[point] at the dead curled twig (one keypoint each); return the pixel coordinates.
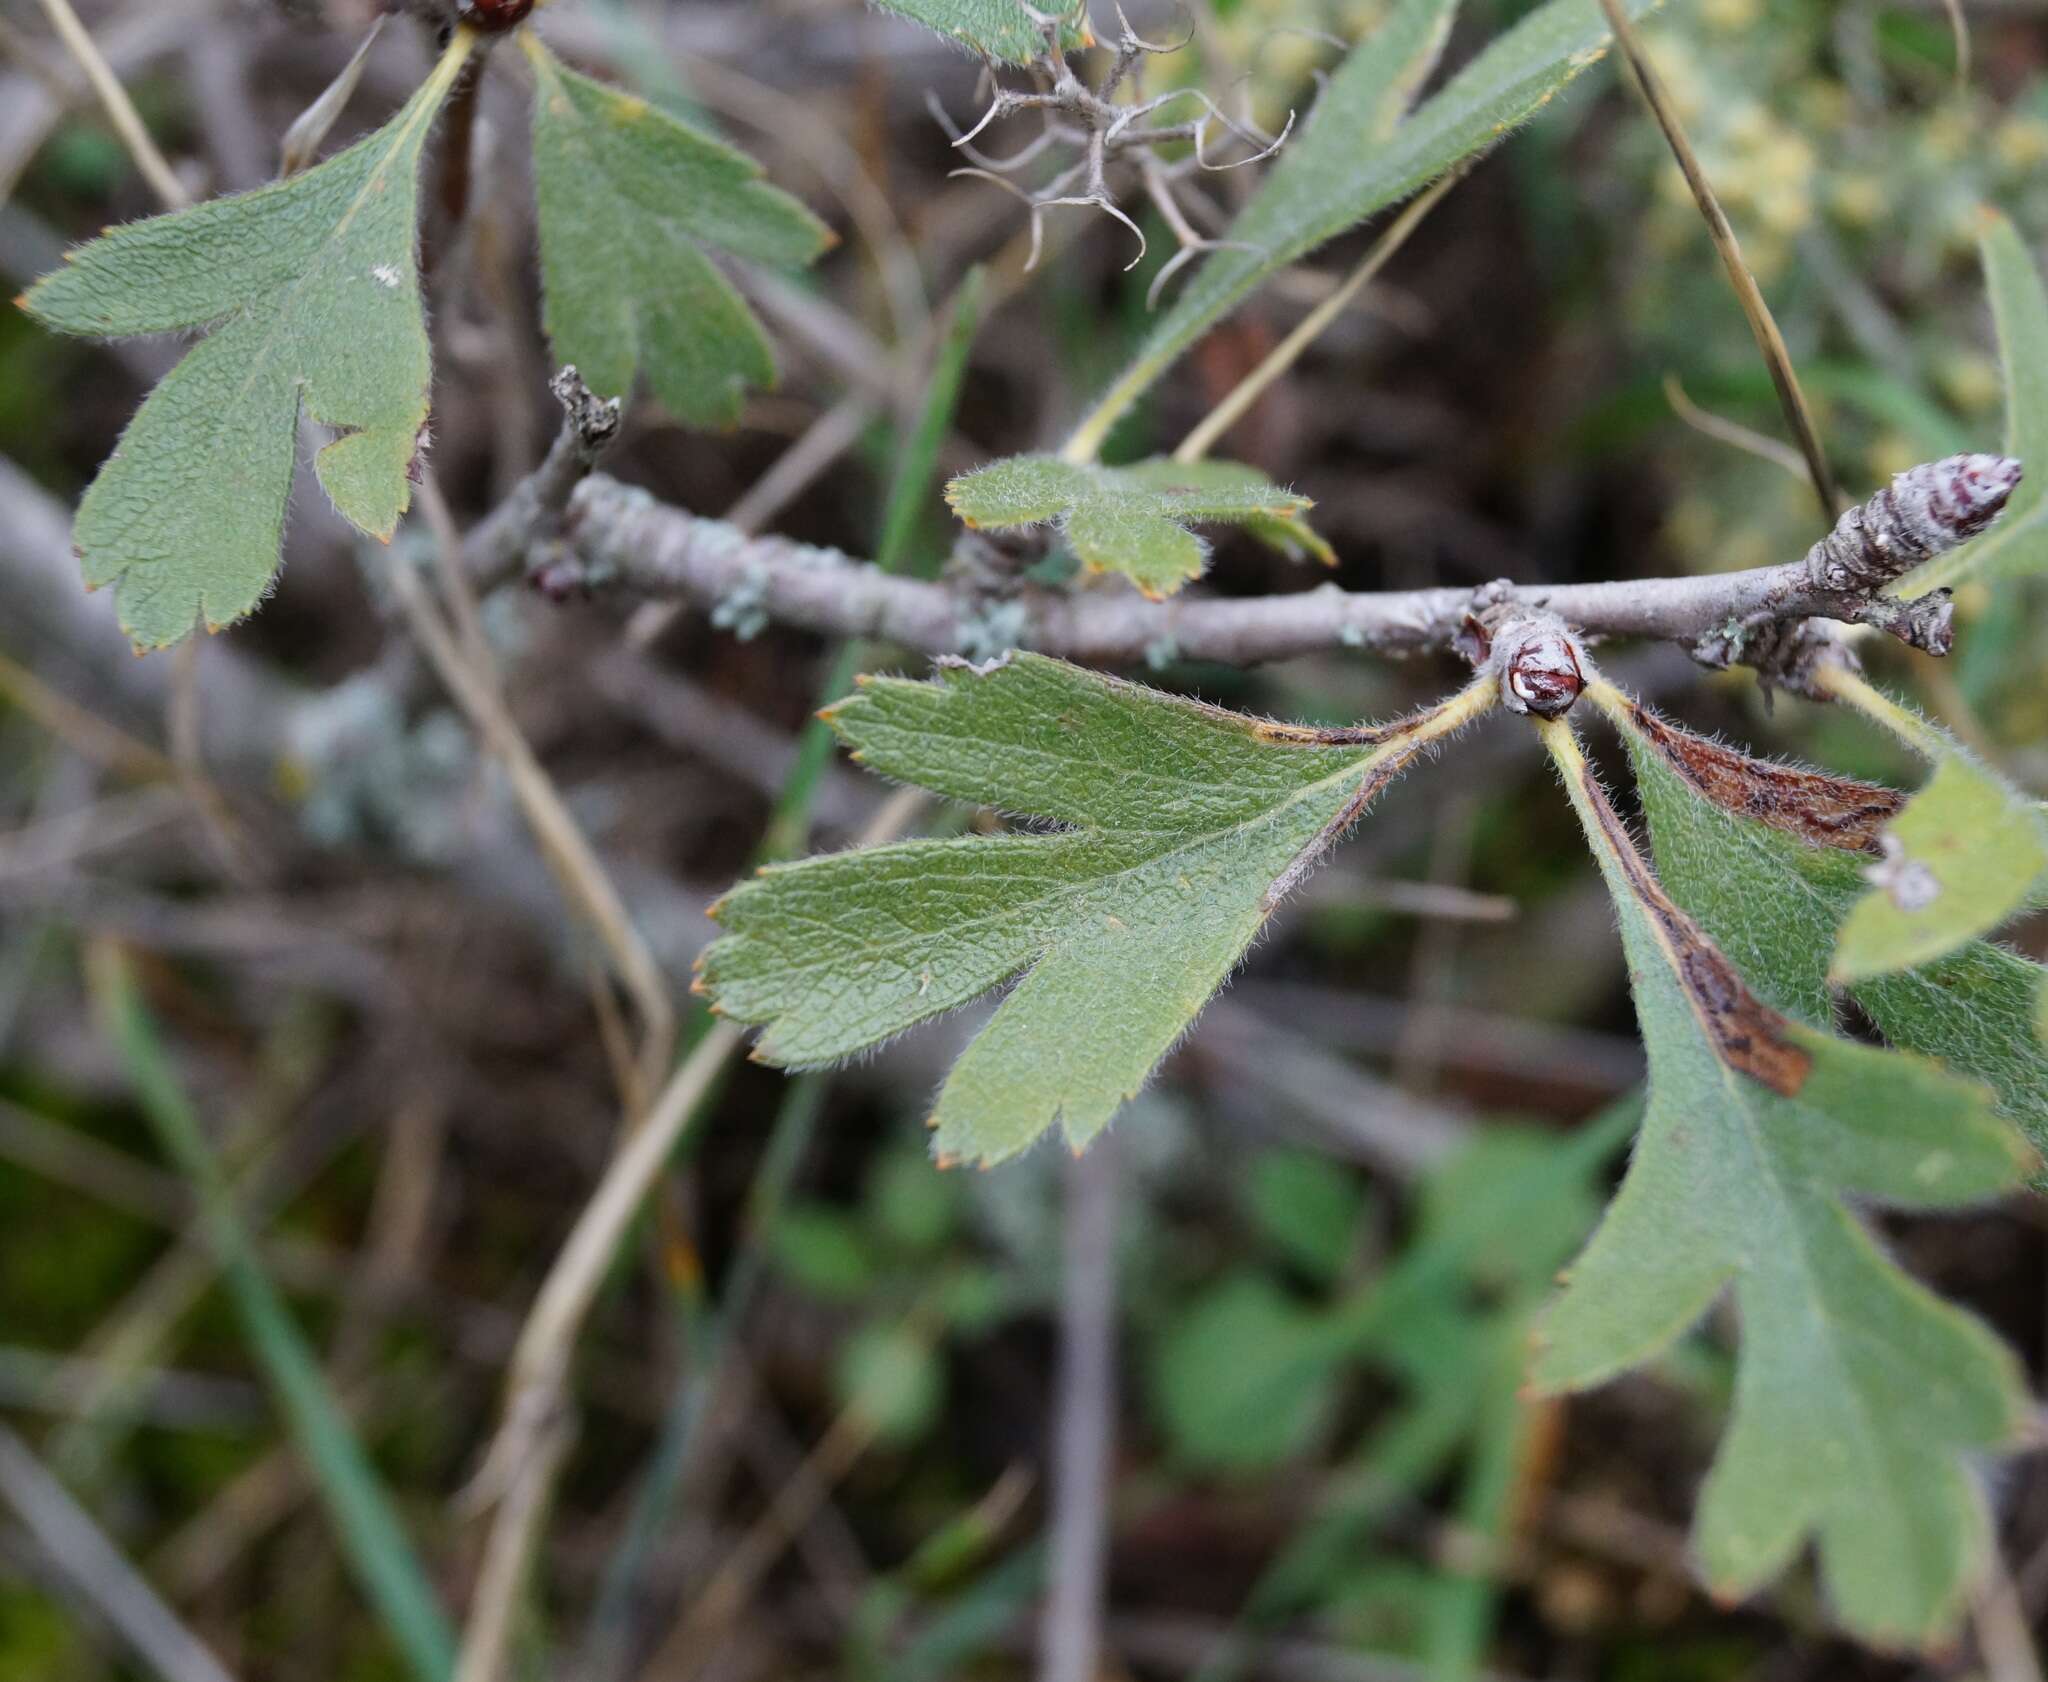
(1097, 128)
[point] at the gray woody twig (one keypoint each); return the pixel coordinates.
(518, 530)
(620, 537)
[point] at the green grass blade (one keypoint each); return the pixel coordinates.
(375, 1542)
(2018, 544)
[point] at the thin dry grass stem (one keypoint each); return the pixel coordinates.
(94, 739)
(32, 56)
(617, 1040)
(400, 1223)
(182, 724)
(1734, 433)
(569, 854)
(1084, 1429)
(1959, 26)
(535, 1435)
(692, 1642)
(84, 732)
(136, 1331)
(120, 109)
(1284, 355)
(458, 596)
(1798, 416)
(508, 1556)
(537, 1380)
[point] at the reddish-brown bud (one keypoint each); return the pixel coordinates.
(492, 17)
(1537, 662)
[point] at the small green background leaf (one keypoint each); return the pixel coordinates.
(1965, 853)
(1134, 520)
(2018, 544)
(1961, 858)
(629, 196)
(997, 29)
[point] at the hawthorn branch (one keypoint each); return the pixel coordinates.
(616, 537)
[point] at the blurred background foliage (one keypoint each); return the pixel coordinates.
(1342, 1203)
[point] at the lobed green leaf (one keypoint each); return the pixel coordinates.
(1116, 930)
(1134, 520)
(1860, 1396)
(311, 292)
(629, 196)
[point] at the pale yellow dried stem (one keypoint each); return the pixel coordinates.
(119, 107)
(1284, 355)
(1725, 431)
(562, 842)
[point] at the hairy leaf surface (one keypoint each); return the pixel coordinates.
(1178, 822)
(2018, 544)
(999, 29)
(311, 294)
(1769, 858)
(1962, 856)
(1134, 520)
(1357, 155)
(1860, 1395)
(629, 197)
